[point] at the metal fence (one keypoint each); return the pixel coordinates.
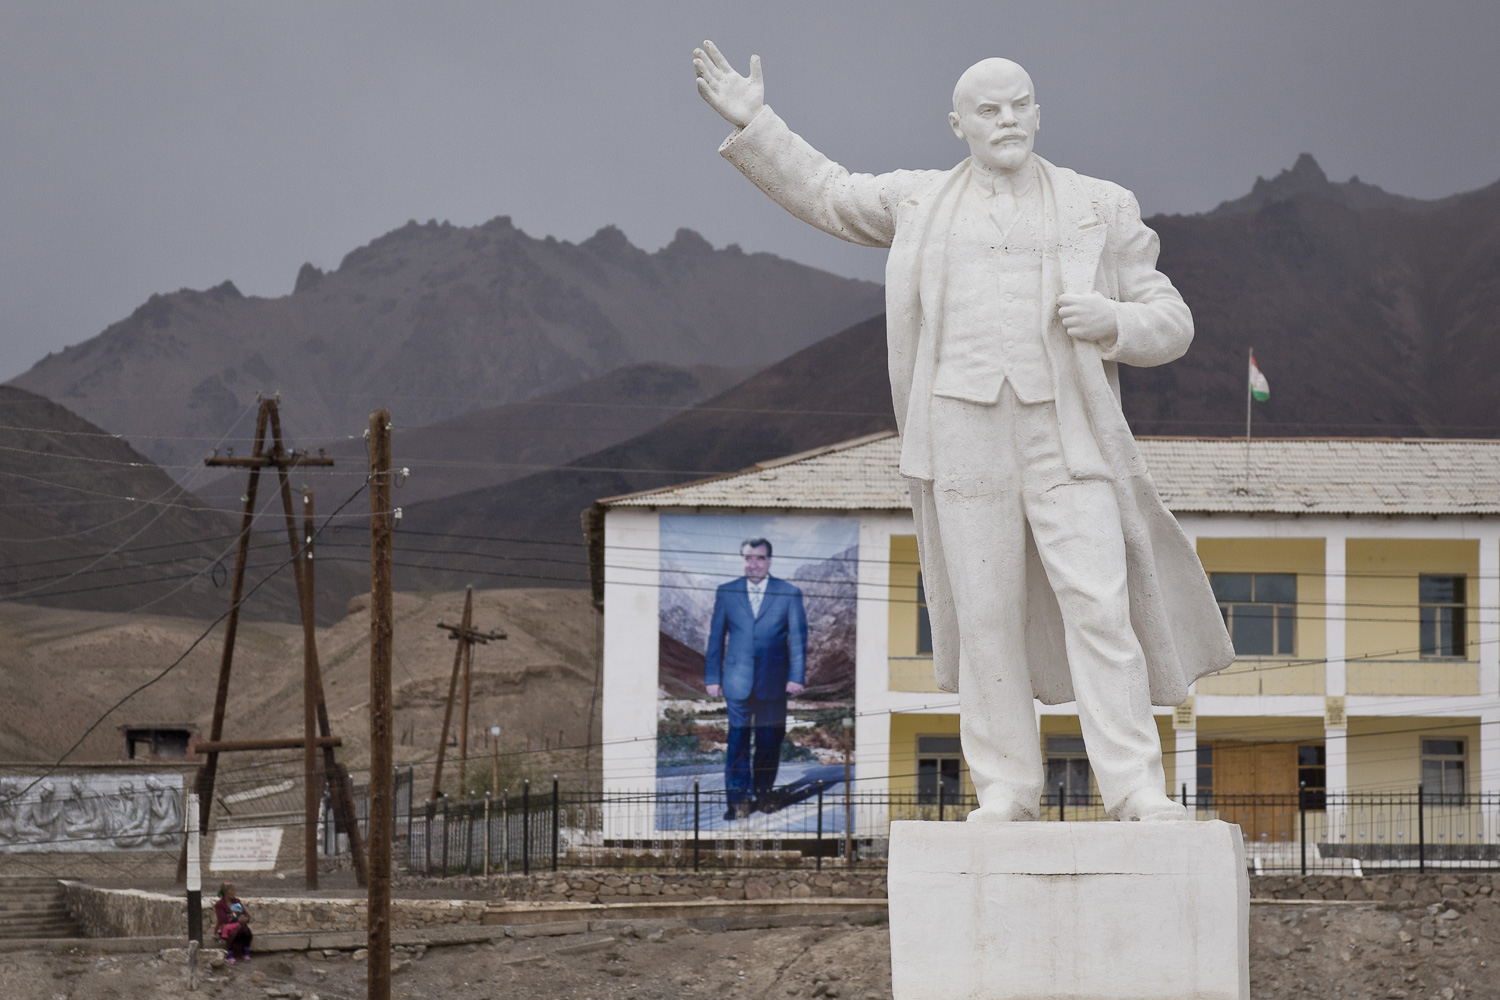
(548, 829)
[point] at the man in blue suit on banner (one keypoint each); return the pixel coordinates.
(757, 657)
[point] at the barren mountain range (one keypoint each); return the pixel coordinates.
(1372, 315)
(433, 321)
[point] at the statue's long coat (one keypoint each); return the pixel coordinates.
(1101, 245)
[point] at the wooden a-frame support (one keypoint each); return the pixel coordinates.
(273, 455)
(466, 635)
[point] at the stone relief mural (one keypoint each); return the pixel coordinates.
(90, 812)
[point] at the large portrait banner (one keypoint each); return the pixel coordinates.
(755, 671)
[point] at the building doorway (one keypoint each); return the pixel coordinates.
(1261, 785)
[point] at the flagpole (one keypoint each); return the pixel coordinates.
(1249, 399)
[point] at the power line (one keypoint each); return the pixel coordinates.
(192, 646)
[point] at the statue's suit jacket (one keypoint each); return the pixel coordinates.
(755, 655)
(1100, 245)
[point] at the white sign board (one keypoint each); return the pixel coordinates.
(251, 849)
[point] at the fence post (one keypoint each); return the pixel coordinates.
(411, 783)
(554, 823)
(1062, 816)
(1421, 831)
(427, 837)
(696, 812)
(469, 835)
(445, 835)
(1302, 821)
(505, 831)
(395, 792)
(1184, 795)
(526, 827)
(487, 833)
(820, 824)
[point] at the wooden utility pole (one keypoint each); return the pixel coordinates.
(338, 776)
(466, 636)
(378, 903)
(312, 778)
(269, 452)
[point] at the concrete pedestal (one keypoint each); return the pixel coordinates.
(1058, 911)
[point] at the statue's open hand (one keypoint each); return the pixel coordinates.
(736, 97)
(1088, 317)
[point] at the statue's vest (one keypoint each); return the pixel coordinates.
(993, 326)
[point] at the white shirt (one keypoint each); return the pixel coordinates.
(757, 593)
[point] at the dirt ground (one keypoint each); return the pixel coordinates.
(1347, 952)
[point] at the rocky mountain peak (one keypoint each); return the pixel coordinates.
(1307, 179)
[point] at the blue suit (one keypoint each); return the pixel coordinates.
(754, 657)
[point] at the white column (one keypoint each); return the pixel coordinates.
(1488, 762)
(1185, 740)
(1186, 745)
(1334, 632)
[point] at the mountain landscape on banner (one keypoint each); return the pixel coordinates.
(829, 593)
(432, 321)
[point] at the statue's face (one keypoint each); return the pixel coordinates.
(995, 112)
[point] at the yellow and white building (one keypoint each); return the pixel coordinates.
(1360, 580)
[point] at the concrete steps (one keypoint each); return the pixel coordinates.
(34, 907)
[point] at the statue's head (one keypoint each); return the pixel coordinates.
(995, 112)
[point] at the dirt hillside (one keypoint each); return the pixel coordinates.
(61, 669)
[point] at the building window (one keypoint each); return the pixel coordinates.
(939, 763)
(924, 621)
(1443, 771)
(1260, 611)
(1205, 798)
(150, 743)
(1312, 776)
(1441, 613)
(1067, 768)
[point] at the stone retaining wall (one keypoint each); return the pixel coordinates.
(134, 913)
(1419, 890)
(614, 886)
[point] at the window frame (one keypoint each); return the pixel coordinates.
(936, 759)
(1282, 614)
(1443, 797)
(1070, 756)
(1312, 777)
(1459, 624)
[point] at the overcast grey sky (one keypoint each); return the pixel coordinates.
(153, 146)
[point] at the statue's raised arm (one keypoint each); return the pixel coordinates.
(737, 98)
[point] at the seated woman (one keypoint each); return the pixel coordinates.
(232, 924)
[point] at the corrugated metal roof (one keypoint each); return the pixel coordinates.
(1193, 475)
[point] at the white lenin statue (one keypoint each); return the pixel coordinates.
(1013, 290)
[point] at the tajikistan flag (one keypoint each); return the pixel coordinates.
(1259, 387)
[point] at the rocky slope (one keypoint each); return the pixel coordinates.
(437, 320)
(88, 522)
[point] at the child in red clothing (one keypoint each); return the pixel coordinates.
(232, 924)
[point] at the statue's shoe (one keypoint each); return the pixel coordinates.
(1149, 806)
(1003, 812)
